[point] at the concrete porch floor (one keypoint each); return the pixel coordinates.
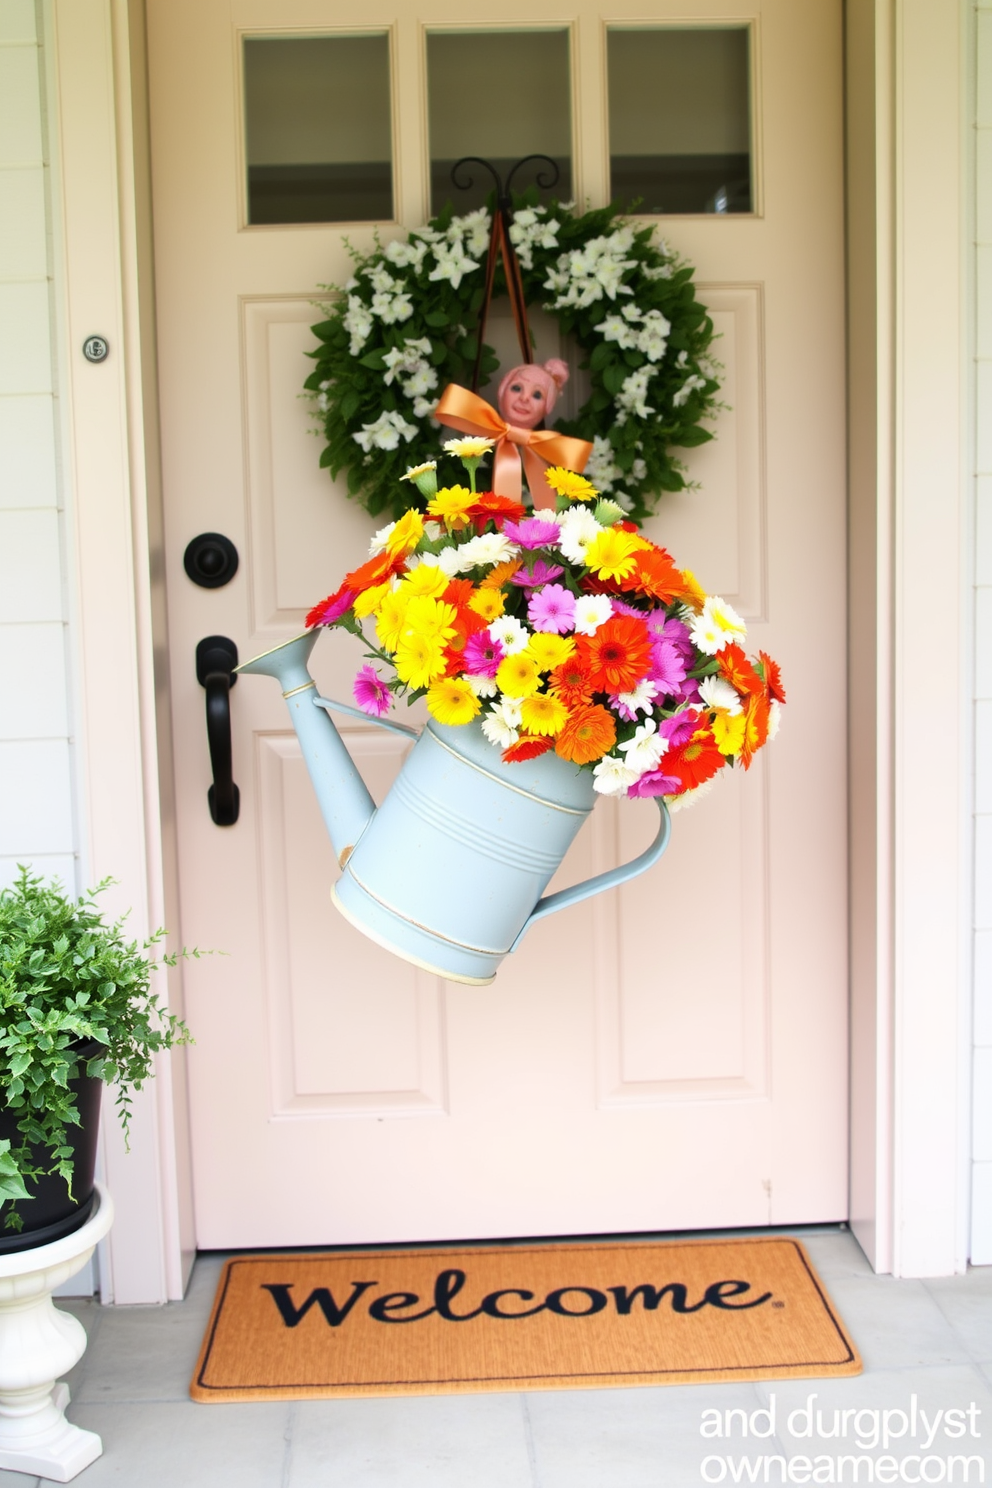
(928, 1338)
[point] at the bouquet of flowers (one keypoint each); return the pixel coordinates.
(564, 630)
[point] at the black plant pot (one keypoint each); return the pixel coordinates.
(50, 1213)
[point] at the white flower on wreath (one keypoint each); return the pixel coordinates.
(601, 468)
(474, 229)
(632, 397)
(687, 389)
(406, 359)
(406, 255)
(381, 279)
(385, 433)
(453, 263)
(391, 308)
(424, 408)
(424, 380)
(529, 230)
(583, 276)
(358, 322)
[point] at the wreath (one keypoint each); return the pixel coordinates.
(403, 327)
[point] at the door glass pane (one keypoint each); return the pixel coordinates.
(680, 134)
(501, 95)
(318, 129)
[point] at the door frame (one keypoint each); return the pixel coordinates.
(909, 513)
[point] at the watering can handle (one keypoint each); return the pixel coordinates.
(609, 880)
(386, 723)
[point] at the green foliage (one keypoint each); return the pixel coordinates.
(68, 977)
(636, 454)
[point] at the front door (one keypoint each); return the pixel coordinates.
(669, 1056)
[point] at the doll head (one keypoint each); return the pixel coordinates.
(527, 394)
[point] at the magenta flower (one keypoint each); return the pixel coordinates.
(371, 693)
(331, 608)
(620, 607)
(482, 655)
(672, 631)
(534, 532)
(541, 573)
(679, 729)
(655, 783)
(552, 609)
(667, 669)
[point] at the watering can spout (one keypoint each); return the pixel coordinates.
(345, 804)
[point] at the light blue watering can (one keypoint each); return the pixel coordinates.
(449, 872)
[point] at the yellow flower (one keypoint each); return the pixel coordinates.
(611, 552)
(451, 700)
(518, 676)
(549, 651)
(427, 579)
(430, 617)
(728, 732)
(471, 448)
(451, 505)
(567, 483)
(419, 659)
(488, 603)
(407, 533)
(369, 600)
(543, 714)
(391, 618)
(695, 595)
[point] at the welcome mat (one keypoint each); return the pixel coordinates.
(534, 1317)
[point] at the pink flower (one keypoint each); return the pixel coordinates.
(655, 783)
(482, 655)
(331, 608)
(371, 693)
(541, 573)
(533, 533)
(679, 729)
(552, 609)
(667, 668)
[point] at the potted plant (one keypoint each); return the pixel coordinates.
(76, 1010)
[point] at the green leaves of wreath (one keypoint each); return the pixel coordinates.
(404, 327)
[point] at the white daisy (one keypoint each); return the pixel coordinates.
(590, 613)
(641, 699)
(378, 543)
(645, 749)
(717, 626)
(612, 776)
(483, 687)
(578, 528)
(486, 549)
(512, 636)
(718, 694)
(774, 718)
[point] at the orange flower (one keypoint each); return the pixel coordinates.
(499, 509)
(618, 655)
(655, 574)
(572, 682)
(695, 761)
(528, 746)
(738, 671)
(756, 715)
(467, 621)
(376, 571)
(501, 574)
(589, 734)
(773, 677)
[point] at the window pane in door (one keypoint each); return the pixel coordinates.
(680, 112)
(318, 129)
(500, 95)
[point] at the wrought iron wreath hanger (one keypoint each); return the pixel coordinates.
(499, 243)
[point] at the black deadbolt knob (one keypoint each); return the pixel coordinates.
(211, 560)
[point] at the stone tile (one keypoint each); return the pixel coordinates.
(144, 1354)
(627, 1438)
(966, 1302)
(185, 1445)
(895, 1324)
(836, 1254)
(428, 1441)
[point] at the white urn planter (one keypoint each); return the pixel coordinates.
(38, 1343)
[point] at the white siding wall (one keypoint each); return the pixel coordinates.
(981, 1244)
(36, 767)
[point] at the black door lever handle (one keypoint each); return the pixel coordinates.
(216, 658)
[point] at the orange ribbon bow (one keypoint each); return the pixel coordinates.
(532, 450)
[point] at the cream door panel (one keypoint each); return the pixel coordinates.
(669, 1056)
